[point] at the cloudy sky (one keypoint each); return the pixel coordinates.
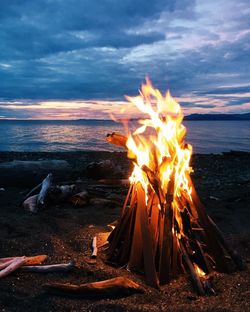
(78, 58)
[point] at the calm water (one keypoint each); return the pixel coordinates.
(205, 136)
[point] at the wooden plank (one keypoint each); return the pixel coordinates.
(210, 236)
(233, 253)
(125, 252)
(112, 288)
(167, 239)
(147, 242)
(167, 245)
(135, 259)
(119, 232)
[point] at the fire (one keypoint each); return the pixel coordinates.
(199, 271)
(163, 228)
(158, 145)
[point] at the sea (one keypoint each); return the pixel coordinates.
(90, 135)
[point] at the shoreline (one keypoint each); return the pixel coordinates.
(64, 232)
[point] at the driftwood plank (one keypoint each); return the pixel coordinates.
(115, 287)
(14, 265)
(60, 267)
(147, 240)
(135, 259)
(46, 185)
(30, 203)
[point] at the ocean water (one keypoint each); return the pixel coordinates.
(48, 136)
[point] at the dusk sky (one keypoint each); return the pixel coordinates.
(62, 59)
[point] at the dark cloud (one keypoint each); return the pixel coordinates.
(71, 49)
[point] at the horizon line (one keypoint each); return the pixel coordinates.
(120, 119)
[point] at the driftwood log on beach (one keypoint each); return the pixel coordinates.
(43, 194)
(32, 260)
(12, 266)
(59, 267)
(30, 204)
(115, 287)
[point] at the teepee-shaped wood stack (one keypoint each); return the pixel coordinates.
(163, 229)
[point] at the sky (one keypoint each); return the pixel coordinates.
(70, 59)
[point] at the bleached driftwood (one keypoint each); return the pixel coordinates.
(14, 265)
(42, 196)
(60, 267)
(115, 287)
(5, 264)
(30, 203)
(30, 193)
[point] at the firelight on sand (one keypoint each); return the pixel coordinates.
(163, 229)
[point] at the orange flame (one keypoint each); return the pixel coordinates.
(159, 145)
(199, 271)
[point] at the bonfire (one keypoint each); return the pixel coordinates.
(163, 229)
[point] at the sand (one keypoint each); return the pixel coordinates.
(64, 233)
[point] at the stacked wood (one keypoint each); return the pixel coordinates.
(168, 235)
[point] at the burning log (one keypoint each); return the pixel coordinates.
(111, 288)
(195, 278)
(60, 267)
(163, 229)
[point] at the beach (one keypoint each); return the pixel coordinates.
(64, 232)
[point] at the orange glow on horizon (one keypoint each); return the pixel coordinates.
(104, 109)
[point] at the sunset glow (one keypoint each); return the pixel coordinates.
(98, 109)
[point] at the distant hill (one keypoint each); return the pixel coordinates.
(218, 117)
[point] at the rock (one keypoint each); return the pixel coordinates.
(103, 169)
